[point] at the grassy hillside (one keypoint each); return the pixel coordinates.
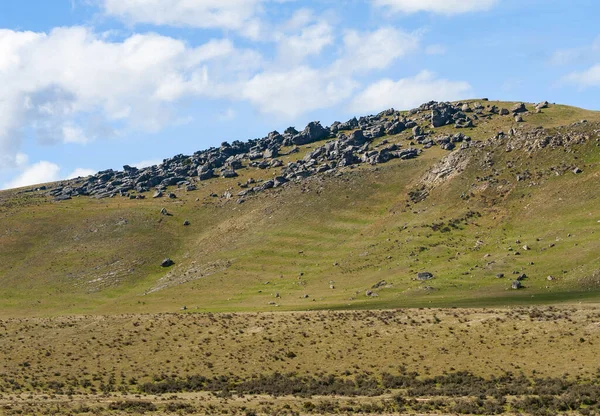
(323, 242)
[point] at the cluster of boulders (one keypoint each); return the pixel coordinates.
(351, 143)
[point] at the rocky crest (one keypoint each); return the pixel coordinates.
(351, 143)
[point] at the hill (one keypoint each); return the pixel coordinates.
(449, 204)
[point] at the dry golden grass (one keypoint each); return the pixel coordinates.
(115, 355)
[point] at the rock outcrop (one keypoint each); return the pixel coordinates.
(350, 143)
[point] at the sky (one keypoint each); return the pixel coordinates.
(88, 85)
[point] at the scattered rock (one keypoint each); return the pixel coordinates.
(518, 108)
(543, 104)
(424, 276)
(379, 284)
(516, 285)
(167, 262)
(229, 173)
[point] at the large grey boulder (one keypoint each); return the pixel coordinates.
(518, 108)
(396, 128)
(229, 173)
(312, 133)
(204, 173)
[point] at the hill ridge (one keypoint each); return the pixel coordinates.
(515, 200)
(349, 143)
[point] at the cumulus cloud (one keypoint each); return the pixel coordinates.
(72, 85)
(40, 172)
(410, 92)
(366, 51)
(310, 40)
(294, 92)
(585, 79)
(239, 15)
(446, 7)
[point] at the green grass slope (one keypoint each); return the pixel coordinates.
(324, 242)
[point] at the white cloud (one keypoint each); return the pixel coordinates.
(447, 7)
(290, 92)
(73, 134)
(40, 172)
(407, 93)
(587, 78)
(365, 51)
(237, 15)
(80, 172)
(71, 84)
(21, 159)
(294, 92)
(310, 41)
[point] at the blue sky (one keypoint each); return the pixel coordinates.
(87, 85)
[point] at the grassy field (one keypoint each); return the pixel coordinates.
(257, 361)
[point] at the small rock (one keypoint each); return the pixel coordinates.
(186, 223)
(379, 284)
(163, 211)
(424, 276)
(167, 262)
(157, 194)
(550, 278)
(577, 171)
(517, 285)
